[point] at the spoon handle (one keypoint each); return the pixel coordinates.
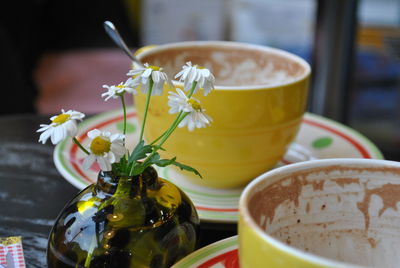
(112, 31)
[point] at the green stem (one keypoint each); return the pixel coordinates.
(75, 140)
(168, 133)
(90, 252)
(146, 107)
(124, 187)
(124, 109)
(125, 121)
(192, 90)
(165, 132)
(159, 137)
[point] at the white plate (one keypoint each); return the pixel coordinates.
(318, 138)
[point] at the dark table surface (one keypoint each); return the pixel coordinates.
(32, 192)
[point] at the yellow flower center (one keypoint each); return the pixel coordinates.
(99, 146)
(120, 86)
(195, 104)
(61, 119)
(199, 67)
(155, 68)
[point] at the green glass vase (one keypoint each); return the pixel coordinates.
(121, 221)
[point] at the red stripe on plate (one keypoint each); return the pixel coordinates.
(229, 259)
(218, 209)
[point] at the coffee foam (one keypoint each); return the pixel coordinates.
(231, 66)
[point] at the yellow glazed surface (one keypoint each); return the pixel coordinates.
(250, 132)
(256, 252)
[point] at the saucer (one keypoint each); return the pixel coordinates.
(223, 253)
(318, 138)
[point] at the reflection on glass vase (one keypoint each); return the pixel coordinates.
(139, 221)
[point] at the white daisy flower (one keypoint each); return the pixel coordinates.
(191, 73)
(105, 148)
(116, 91)
(196, 117)
(178, 102)
(142, 77)
(62, 126)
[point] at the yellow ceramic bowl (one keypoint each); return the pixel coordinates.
(323, 213)
(257, 107)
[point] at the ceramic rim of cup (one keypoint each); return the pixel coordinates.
(312, 258)
(244, 46)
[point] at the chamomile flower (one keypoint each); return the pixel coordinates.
(195, 117)
(142, 77)
(178, 102)
(62, 126)
(105, 148)
(116, 91)
(195, 73)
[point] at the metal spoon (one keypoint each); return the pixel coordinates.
(116, 37)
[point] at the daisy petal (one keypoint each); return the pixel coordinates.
(71, 128)
(104, 164)
(45, 136)
(193, 73)
(117, 137)
(111, 157)
(43, 128)
(58, 134)
(119, 150)
(146, 74)
(94, 133)
(88, 162)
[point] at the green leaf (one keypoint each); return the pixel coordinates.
(165, 162)
(140, 151)
(138, 168)
(187, 168)
(153, 159)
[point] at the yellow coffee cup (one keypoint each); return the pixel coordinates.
(257, 106)
(322, 213)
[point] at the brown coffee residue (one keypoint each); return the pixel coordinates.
(318, 185)
(346, 181)
(274, 195)
(372, 242)
(265, 202)
(330, 169)
(324, 224)
(390, 195)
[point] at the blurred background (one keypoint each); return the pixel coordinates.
(55, 54)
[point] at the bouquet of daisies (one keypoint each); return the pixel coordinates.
(108, 149)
